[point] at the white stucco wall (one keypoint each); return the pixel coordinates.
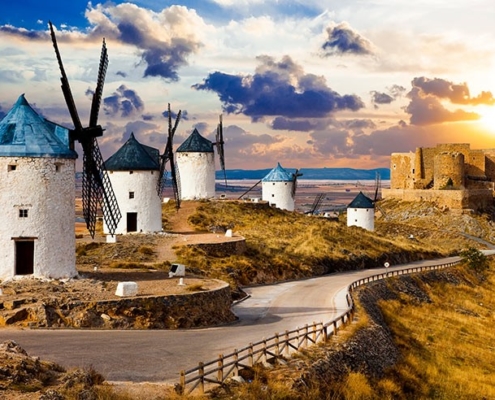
(279, 194)
(146, 202)
(363, 217)
(49, 196)
(197, 175)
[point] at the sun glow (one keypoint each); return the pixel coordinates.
(488, 117)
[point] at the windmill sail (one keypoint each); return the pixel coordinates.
(97, 189)
(220, 150)
(168, 155)
(295, 175)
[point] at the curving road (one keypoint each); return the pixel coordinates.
(159, 355)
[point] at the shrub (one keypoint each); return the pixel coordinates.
(474, 259)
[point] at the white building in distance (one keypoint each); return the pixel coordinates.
(361, 212)
(37, 196)
(276, 188)
(134, 172)
(196, 168)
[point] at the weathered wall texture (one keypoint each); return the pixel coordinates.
(223, 249)
(278, 194)
(44, 187)
(145, 200)
(196, 175)
(452, 166)
(200, 309)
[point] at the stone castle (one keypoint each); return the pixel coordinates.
(451, 175)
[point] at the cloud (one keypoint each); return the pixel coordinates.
(342, 39)
(121, 73)
(456, 93)
(380, 98)
(428, 110)
(23, 33)
(164, 39)
(278, 89)
(124, 101)
(2, 113)
(394, 92)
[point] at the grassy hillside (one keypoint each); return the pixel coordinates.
(284, 245)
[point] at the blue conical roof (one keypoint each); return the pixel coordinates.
(278, 174)
(361, 201)
(196, 143)
(134, 156)
(24, 133)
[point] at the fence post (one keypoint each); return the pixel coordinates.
(264, 350)
(277, 345)
(251, 357)
(314, 332)
(236, 362)
(306, 336)
(201, 373)
(335, 327)
(220, 368)
(286, 342)
(182, 382)
(297, 338)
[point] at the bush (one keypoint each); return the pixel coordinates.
(474, 259)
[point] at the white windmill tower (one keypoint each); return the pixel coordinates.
(196, 165)
(279, 188)
(361, 212)
(37, 196)
(134, 173)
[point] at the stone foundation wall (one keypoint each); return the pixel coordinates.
(236, 247)
(199, 309)
(455, 199)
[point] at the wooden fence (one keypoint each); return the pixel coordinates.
(281, 345)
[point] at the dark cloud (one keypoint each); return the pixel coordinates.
(455, 93)
(24, 33)
(381, 98)
(147, 117)
(332, 142)
(301, 125)
(278, 89)
(342, 39)
(124, 101)
(428, 110)
(121, 73)
(358, 124)
(394, 92)
(163, 39)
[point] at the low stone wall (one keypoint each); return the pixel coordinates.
(477, 199)
(223, 249)
(199, 309)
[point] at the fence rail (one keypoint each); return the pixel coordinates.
(281, 345)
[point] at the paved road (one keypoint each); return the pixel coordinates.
(160, 355)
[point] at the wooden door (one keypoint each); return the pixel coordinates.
(24, 257)
(131, 222)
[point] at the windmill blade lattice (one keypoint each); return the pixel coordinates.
(220, 149)
(168, 155)
(97, 189)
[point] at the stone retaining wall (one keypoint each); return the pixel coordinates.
(223, 249)
(199, 309)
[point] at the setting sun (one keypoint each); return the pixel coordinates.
(488, 117)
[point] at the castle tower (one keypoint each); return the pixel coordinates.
(37, 196)
(361, 212)
(196, 168)
(134, 171)
(449, 170)
(276, 188)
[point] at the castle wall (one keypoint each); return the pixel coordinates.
(37, 200)
(402, 170)
(477, 199)
(448, 170)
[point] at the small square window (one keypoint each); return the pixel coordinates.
(12, 167)
(23, 213)
(273, 195)
(57, 167)
(131, 172)
(131, 195)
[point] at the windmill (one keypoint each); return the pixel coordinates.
(168, 155)
(295, 175)
(220, 151)
(96, 186)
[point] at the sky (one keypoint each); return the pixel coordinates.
(307, 83)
